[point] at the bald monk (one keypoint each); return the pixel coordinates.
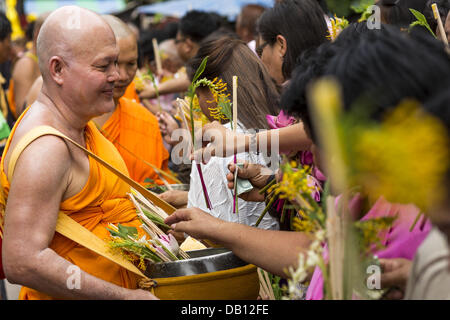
(131, 127)
(24, 73)
(78, 67)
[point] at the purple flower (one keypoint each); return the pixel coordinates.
(307, 158)
(280, 121)
(170, 243)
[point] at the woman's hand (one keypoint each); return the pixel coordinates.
(167, 125)
(218, 141)
(148, 92)
(395, 276)
(258, 176)
(195, 222)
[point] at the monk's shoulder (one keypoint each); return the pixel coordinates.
(50, 145)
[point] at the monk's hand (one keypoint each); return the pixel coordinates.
(176, 198)
(395, 273)
(194, 222)
(217, 141)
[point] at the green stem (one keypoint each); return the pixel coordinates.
(272, 200)
(271, 183)
(415, 221)
(283, 212)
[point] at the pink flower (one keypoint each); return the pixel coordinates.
(280, 121)
(170, 243)
(307, 158)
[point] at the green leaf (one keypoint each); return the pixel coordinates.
(419, 16)
(200, 70)
(421, 21)
(114, 233)
(361, 5)
(127, 231)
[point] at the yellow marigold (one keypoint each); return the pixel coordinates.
(337, 25)
(294, 184)
(404, 158)
(219, 90)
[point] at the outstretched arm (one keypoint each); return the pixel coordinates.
(38, 187)
(271, 250)
(221, 142)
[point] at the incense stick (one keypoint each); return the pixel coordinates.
(199, 169)
(157, 56)
(235, 86)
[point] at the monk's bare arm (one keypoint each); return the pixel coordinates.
(37, 189)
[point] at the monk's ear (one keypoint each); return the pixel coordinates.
(56, 68)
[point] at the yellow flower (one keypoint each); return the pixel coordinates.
(337, 26)
(295, 182)
(404, 158)
(221, 96)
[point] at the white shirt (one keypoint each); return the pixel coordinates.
(430, 272)
(214, 174)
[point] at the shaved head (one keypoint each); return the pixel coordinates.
(69, 32)
(128, 54)
(121, 29)
(38, 24)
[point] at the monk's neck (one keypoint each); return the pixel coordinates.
(101, 120)
(64, 118)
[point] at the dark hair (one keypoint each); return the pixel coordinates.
(377, 70)
(145, 45)
(257, 94)
(294, 97)
(301, 22)
(397, 13)
(5, 27)
(197, 25)
(443, 7)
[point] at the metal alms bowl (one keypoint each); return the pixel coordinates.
(202, 261)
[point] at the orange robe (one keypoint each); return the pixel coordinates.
(135, 132)
(103, 200)
(131, 93)
(11, 99)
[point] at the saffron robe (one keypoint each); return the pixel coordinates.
(135, 132)
(102, 200)
(131, 93)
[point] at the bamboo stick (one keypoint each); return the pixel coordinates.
(437, 16)
(157, 57)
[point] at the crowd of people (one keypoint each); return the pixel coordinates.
(107, 86)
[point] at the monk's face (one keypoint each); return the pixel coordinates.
(127, 65)
(91, 73)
